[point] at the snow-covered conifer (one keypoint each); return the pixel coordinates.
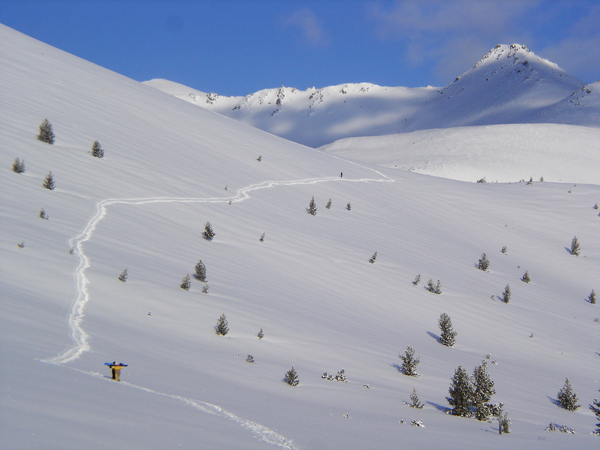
(592, 297)
(208, 233)
(46, 135)
(200, 271)
(186, 283)
(461, 393)
(417, 280)
(483, 263)
(483, 389)
(567, 398)
(123, 276)
(595, 407)
(526, 277)
(97, 150)
(373, 258)
(448, 337)
(18, 166)
(49, 182)
(506, 294)
(291, 377)
(312, 207)
(222, 327)
(415, 402)
(328, 205)
(409, 362)
(575, 248)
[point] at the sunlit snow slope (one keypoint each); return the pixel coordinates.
(170, 167)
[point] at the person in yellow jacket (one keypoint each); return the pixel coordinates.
(116, 369)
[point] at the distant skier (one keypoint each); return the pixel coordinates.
(116, 369)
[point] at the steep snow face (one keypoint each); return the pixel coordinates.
(510, 84)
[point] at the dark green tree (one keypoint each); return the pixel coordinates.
(200, 271)
(208, 234)
(483, 263)
(483, 389)
(595, 407)
(526, 277)
(123, 276)
(186, 283)
(592, 297)
(409, 362)
(506, 294)
(448, 337)
(312, 207)
(373, 258)
(18, 166)
(414, 398)
(461, 393)
(49, 182)
(222, 327)
(97, 150)
(291, 377)
(575, 248)
(46, 135)
(567, 398)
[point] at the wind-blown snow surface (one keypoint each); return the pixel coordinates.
(309, 285)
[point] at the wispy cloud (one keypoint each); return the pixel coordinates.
(579, 53)
(310, 26)
(451, 35)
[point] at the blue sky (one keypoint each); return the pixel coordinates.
(239, 47)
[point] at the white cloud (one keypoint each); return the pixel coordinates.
(452, 35)
(311, 28)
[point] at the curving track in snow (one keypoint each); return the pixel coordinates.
(81, 338)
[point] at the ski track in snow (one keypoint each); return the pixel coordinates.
(81, 338)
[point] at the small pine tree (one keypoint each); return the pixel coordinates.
(222, 327)
(483, 263)
(200, 271)
(49, 182)
(414, 398)
(483, 389)
(595, 407)
(18, 166)
(596, 206)
(312, 207)
(567, 399)
(328, 205)
(430, 286)
(438, 288)
(186, 283)
(409, 362)
(291, 377)
(259, 159)
(205, 289)
(123, 276)
(250, 359)
(208, 234)
(262, 237)
(461, 393)
(575, 249)
(43, 214)
(417, 280)
(592, 297)
(97, 150)
(503, 423)
(260, 334)
(448, 337)
(349, 207)
(46, 135)
(504, 249)
(373, 258)
(506, 294)
(526, 277)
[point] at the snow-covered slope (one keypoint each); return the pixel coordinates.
(309, 285)
(503, 153)
(510, 84)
